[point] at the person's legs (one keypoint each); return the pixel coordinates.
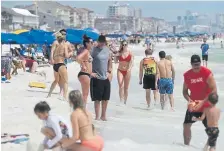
(48, 132)
(34, 67)
(155, 93)
(85, 84)
(162, 91)
(24, 65)
(120, 79)
(96, 90)
(105, 98)
(206, 61)
(169, 91)
(56, 79)
(97, 109)
(64, 77)
(126, 86)
(148, 98)
(187, 133)
(206, 146)
(104, 109)
(60, 83)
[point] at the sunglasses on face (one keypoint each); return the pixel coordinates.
(125, 45)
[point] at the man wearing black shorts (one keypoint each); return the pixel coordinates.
(148, 66)
(200, 82)
(204, 49)
(100, 84)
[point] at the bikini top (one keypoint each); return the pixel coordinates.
(127, 59)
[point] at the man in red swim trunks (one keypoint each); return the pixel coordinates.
(200, 81)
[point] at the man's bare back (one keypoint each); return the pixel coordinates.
(212, 114)
(165, 68)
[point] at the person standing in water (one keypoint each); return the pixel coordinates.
(166, 81)
(200, 81)
(148, 66)
(58, 54)
(100, 83)
(125, 58)
(221, 44)
(85, 60)
(204, 49)
(212, 114)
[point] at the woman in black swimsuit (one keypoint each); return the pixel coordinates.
(85, 60)
(59, 52)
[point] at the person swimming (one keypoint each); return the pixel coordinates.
(55, 128)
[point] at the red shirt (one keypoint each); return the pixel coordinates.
(197, 84)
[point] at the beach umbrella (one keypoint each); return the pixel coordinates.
(80, 33)
(73, 39)
(10, 38)
(20, 31)
(92, 30)
(39, 36)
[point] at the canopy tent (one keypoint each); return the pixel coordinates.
(10, 38)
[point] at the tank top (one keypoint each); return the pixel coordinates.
(149, 66)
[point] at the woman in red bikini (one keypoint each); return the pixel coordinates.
(125, 59)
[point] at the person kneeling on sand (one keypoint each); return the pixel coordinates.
(83, 128)
(212, 114)
(55, 128)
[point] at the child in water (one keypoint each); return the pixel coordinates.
(212, 114)
(55, 128)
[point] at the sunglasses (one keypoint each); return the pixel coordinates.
(125, 44)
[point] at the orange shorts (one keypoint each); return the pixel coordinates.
(96, 144)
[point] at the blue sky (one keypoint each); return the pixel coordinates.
(168, 10)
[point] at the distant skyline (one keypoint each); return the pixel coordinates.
(164, 10)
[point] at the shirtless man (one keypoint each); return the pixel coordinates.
(212, 114)
(166, 81)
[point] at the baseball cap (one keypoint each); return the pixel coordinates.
(195, 59)
(102, 38)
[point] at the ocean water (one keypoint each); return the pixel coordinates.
(135, 128)
(128, 128)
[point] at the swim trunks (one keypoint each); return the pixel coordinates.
(189, 115)
(213, 133)
(165, 86)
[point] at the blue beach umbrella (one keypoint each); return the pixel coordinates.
(9, 38)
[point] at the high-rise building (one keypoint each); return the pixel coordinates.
(116, 10)
(137, 13)
(220, 20)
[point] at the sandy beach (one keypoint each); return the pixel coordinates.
(128, 128)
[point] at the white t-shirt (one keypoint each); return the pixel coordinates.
(60, 127)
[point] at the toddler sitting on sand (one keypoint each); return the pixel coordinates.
(55, 128)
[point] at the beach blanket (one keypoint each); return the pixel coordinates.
(17, 138)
